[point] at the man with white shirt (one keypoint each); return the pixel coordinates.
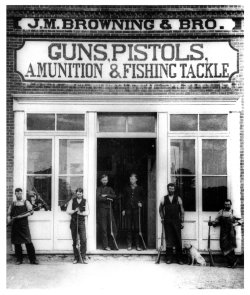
(78, 209)
(172, 216)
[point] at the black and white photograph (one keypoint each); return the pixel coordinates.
(125, 151)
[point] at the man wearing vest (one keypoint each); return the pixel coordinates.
(78, 209)
(18, 213)
(172, 215)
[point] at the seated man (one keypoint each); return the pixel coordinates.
(37, 202)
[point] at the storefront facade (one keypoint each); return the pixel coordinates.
(153, 90)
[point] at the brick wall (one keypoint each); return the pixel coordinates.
(16, 37)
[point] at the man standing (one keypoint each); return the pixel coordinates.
(227, 222)
(105, 197)
(133, 199)
(172, 215)
(18, 213)
(78, 208)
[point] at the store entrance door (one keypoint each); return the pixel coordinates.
(118, 158)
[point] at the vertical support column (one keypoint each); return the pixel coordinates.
(162, 166)
(18, 176)
(233, 161)
(91, 179)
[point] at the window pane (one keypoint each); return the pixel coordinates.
(183, 122)
(141, 123)
(213, 122)
(185, 188)
(39, 159)
(67, 188)
(40, 185)
(214, 192)
(40, 122)
(70, 122)
(112, 123)
(214, 156)
(183, 156)
(70, 156)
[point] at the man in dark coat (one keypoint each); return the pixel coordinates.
(227, 221)
(105, 197)
(172, 215)
(18, 213)
(134, 198)
(78, 208)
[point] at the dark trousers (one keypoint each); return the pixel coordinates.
(82, 238)
(105, 229)
(30, 251)
(231, 258)
(173, 239)
(133, 226)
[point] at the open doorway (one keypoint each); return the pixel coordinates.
(118, 158)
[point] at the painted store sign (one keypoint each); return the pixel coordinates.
(131, 61)
(81, 24)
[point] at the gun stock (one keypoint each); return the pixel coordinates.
(111, 226)
(211, 260)
(140, 232)
(78, 241)
(158, 259)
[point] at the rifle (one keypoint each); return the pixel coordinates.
(140, 232)
(211, 260)
(78, 241)
(111, 225)
(158, 259)
(14, 217)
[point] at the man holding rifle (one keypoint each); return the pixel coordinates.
(18, 213)
(133, 199)
(227, 221)
(105, 197)
(172, 215)
(78, 209)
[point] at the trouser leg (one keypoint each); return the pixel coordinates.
(19, 252)
(31, 252)
(83, 239)
(231, 257)
(73, 229)
(136, 226)
(103, 223)
(129, 224)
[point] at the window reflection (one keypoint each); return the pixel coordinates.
(214, 192)
(40, 121)
(70, 122)
(70, 169)
(67, 188)
(109, 123)
(214, 156)
(214, 170)
(184, 122)
(183, 170)
(70, 156)
(213, 122)
(142, 123)
(39, 192)
(39, 160)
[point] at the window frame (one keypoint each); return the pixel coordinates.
(199, 132)
(55, 131)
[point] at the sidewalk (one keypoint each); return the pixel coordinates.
(121, 276)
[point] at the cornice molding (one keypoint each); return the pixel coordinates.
(130, 99)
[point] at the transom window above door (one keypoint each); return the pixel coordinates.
(198, 122)
(124, 122)
(55, 122)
